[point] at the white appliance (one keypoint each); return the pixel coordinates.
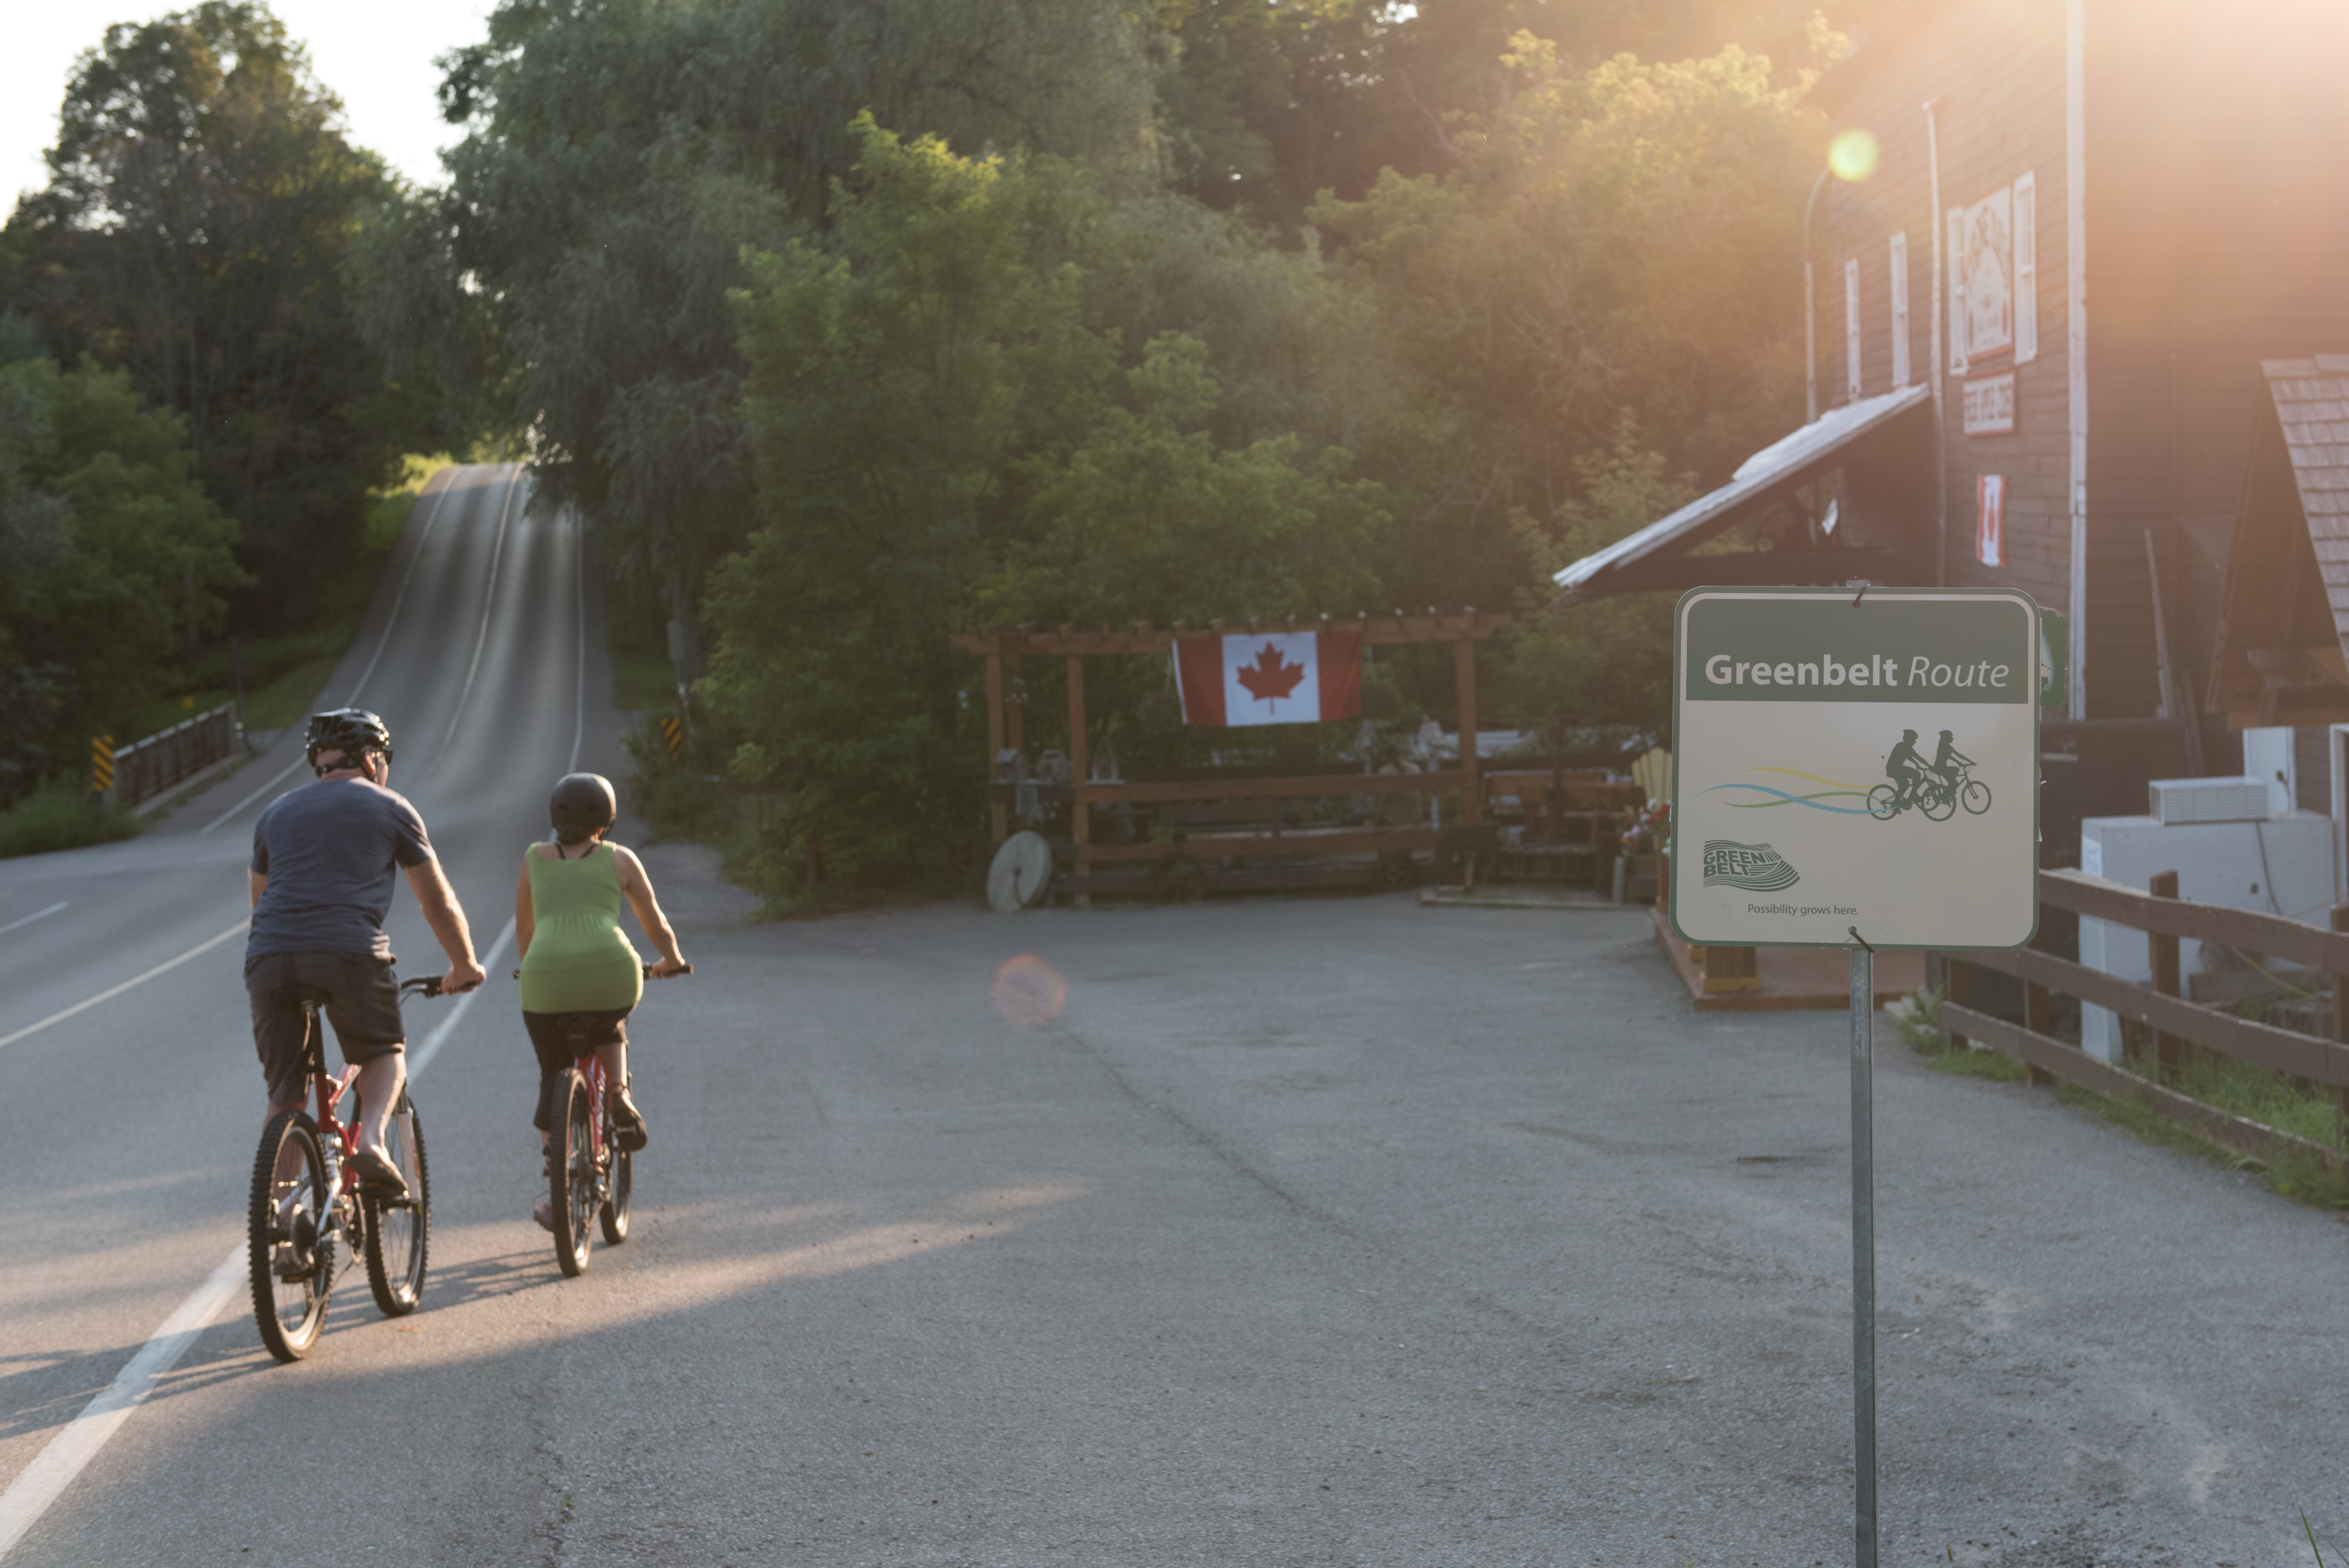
(2281, 866)
(2181, 800)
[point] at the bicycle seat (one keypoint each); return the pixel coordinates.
(299, 995)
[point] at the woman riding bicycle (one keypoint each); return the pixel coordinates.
(580, 977)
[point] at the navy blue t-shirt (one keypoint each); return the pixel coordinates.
(329, 850)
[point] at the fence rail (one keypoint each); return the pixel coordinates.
(152, 766)
(2178, 1023)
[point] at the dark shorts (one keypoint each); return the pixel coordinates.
(362, 1003)
(560, 1038)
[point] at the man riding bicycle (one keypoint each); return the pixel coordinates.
(321, 878)
(1905, 768)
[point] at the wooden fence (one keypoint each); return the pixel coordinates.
(152, 766)
(2178, 1024)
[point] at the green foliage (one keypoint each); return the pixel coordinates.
(59, 815)
(949, 430)
(112, 560)
(1917, 1019)
(192, 234)
(573, 279)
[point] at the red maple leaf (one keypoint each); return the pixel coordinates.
(1270, 679)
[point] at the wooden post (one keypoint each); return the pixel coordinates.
(1015, 718)
(2167, 1049)
(1953, 976)
(1464, 675)
(998, 814)
(1731, 969)
(2339, 1029)
(1081, 816)
(2039, 1017)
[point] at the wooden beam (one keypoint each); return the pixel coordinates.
(1081, 816)
(1375, 630)
(1365, 840)
(2312, 947)
(1464, 678)
(999, 815)
(1263, 789)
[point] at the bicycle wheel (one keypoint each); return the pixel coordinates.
(397, 1229)
(1884, 802)
(1939, 807)
(612, 1217)
(288, 1210)
(572, 1186)
(1975, 796)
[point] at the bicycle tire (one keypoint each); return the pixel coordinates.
(398, 1235)
(571, 1187)
(1884, 802)
(290, 1312)
(1938, 806)
(1966, 796)
(612, 1217)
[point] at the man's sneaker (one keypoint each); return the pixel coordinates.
(378, 1176)
(628, 1122)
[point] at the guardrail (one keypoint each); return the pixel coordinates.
(153, 765)
(2176, 1022)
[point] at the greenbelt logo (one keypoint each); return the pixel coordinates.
(1758, 868)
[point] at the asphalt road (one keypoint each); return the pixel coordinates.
(1323, 1231)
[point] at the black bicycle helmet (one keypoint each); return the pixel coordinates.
(581, 803)
(349, 730)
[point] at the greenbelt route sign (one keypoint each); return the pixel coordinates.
(1868, 765)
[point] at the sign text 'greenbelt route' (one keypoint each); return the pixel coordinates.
(1876, 670)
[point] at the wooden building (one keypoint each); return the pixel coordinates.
(2042, 317)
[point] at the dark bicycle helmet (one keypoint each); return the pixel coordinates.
(349, 730)
(581, 803)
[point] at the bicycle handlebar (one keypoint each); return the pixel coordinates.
(429, 985)
(648, 973)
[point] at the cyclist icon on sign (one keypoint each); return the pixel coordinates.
(1937, 788)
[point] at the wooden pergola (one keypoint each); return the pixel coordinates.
(1004, 648)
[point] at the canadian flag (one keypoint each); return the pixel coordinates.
(1269, 677)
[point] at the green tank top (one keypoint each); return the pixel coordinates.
(578, 961)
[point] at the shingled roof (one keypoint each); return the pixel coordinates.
(2280, 656)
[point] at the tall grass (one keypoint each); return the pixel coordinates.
(60, 816)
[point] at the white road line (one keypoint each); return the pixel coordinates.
(112, 991)
(41, 1483)
(38, 1485)
(44, 913)
(389, 621)
(489, 607)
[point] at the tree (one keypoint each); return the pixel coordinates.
(572, 281)
(950, 428)
(193, 232)
(112, 558)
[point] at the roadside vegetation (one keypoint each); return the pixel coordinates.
(2241, 1088)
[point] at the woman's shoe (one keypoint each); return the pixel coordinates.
(628, 1122)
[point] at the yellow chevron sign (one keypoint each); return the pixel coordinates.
(101, 764)
(673, 734)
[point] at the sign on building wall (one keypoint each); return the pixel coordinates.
(1869, 766)
(1990, 519)
(1981, 277)
(1989, 405)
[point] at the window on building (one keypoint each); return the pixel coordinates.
(1851, 327)
(2026, 269)
(1900, 311)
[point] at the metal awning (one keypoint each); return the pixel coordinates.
(1637, 562)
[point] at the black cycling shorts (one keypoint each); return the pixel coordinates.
(560, 1040)
(362, 1002)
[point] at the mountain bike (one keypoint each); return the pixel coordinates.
(1938, 800)
(591, 1178)
(305, 1221)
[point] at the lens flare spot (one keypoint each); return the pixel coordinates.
(1029, 991)
(1853, 155)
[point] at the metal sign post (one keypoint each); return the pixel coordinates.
(1809, 810)
(1863, 1256)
